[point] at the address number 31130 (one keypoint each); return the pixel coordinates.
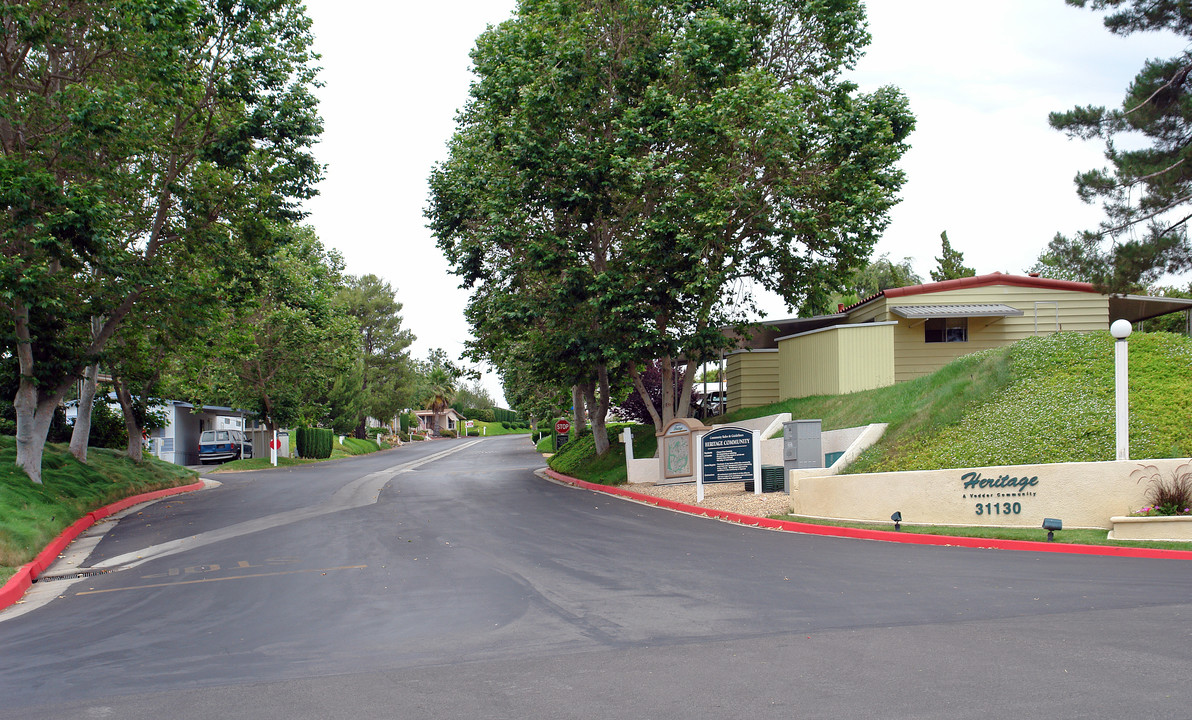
(999, 508)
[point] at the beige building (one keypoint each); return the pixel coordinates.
(904, 333)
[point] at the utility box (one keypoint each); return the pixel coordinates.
(802, 447)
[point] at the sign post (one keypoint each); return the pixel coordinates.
(562, 427)
(274, 444)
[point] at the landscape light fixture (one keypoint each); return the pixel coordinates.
(897, 518)
(1051, 525)
(1120, 330)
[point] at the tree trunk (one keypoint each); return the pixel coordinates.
(80, 436)
(135, 443)
(668, 391)
(645, 396)
(597, 396)
(684, 404)
(577, 409)
(34, 412)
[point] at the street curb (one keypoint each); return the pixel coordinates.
(882, 535)
(16, 586)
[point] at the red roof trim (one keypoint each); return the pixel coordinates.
(996, 278)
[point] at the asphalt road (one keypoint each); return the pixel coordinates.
(446, 580)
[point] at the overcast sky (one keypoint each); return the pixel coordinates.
(984, 165)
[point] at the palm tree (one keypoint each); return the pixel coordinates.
(442, 393)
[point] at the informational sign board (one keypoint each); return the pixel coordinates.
(728, 455)
(470, 423)
(676, 442)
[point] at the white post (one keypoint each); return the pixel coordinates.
(627, 438)
(698, 441)
(273, 449)
(1120, 329)
(757, 462)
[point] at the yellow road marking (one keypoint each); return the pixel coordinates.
(211, 580)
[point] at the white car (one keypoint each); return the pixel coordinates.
(223, 445)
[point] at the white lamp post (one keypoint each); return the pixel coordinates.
(1120, 329)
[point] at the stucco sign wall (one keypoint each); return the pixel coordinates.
(1080, 494)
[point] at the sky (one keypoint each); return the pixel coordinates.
(984, 165)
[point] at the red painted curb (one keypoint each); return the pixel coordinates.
(16, 586)
(882, 535)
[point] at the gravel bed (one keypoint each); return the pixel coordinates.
(730, 497)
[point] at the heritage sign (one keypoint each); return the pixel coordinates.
(728, 455)
(675, 443)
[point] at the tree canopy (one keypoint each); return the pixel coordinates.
(621, 168)
(1146, 191)
(137, 136)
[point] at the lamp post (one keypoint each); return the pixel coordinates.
(1120, 329)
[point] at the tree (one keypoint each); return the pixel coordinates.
(634, 409)
(283, 343)
(134, 133)
(442, 393)
(383, 341)
(620, 166)
(950, 264)
(1146, 192)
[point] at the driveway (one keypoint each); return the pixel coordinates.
(446, 580)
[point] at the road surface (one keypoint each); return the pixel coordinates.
(447, 580)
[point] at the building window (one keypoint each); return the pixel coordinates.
(946, 330)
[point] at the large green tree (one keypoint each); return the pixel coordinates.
(625, 172)
(278, 349)
(135, 133)
(386, 362)
(1146, 191)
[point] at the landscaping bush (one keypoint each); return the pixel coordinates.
(1166, 495)
(487, 415)
(474, 432)
(446, 433)
(314, 443)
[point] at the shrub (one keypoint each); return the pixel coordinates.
(474, 432)
(1170, 495)
(314, 443)
(487, 415)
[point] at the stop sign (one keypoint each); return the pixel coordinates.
(562, 427)
(275, 444)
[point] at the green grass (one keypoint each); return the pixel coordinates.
(578, 457)
(350, 447)
(33, 515)
(1042, 400)
(1075, 536)
(495, 428)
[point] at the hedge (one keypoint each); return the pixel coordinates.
(314, 443)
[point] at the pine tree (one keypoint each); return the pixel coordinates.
(950, 262)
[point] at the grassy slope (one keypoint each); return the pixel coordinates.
(1045, 399)
(578, 457)
(33, 515)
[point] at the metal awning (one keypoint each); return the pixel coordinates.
(931, 312)
(1141, 307)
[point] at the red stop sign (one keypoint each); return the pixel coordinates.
(562, 427)
(275, 444)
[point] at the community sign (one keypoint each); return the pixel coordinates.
(728, 455)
